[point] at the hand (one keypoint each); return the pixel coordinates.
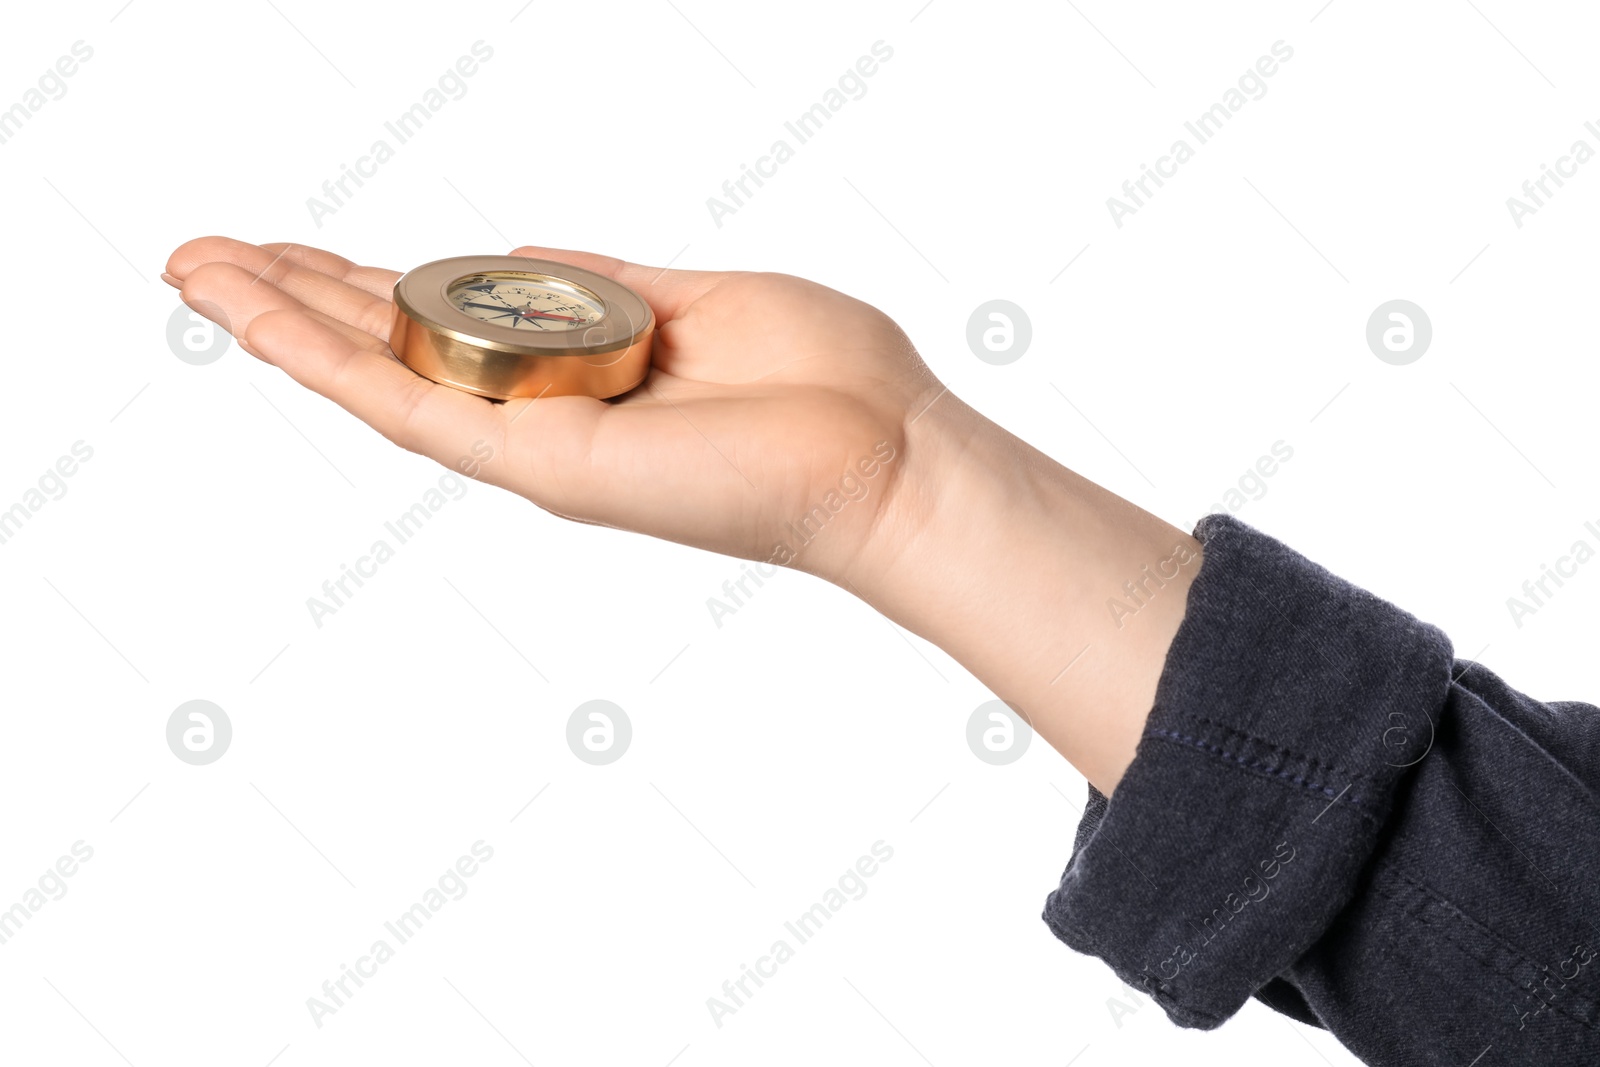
(766, 393)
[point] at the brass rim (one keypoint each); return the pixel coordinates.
(423, 295)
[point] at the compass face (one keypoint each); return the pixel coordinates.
(527, 301)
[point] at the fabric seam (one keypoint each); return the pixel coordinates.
(1260, 769)
(1477, 929)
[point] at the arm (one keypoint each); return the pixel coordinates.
(767, 390)
(1310, 802)
(1012, 564)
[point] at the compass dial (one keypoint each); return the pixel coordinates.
(525, 301)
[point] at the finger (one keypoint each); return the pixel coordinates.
(228, 295)
(375, 280)
(358, 372)
(191, 254)
(312, 287)
(668, 291)
(421, 416)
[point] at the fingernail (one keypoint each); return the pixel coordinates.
(170, 280)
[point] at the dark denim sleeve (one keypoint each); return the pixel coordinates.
(1330, 813)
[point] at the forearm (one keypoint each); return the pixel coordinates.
(1011, 563)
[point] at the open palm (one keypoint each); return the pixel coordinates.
(767, 393)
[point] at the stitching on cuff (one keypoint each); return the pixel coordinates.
(1262, 767)
(1337, 771)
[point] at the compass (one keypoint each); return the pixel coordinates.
(508, 326)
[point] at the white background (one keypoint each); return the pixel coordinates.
(768, 754)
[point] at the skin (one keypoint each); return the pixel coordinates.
(766, 390)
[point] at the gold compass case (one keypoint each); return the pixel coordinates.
(507, 326)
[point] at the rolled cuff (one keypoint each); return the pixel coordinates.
(1289, 708)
